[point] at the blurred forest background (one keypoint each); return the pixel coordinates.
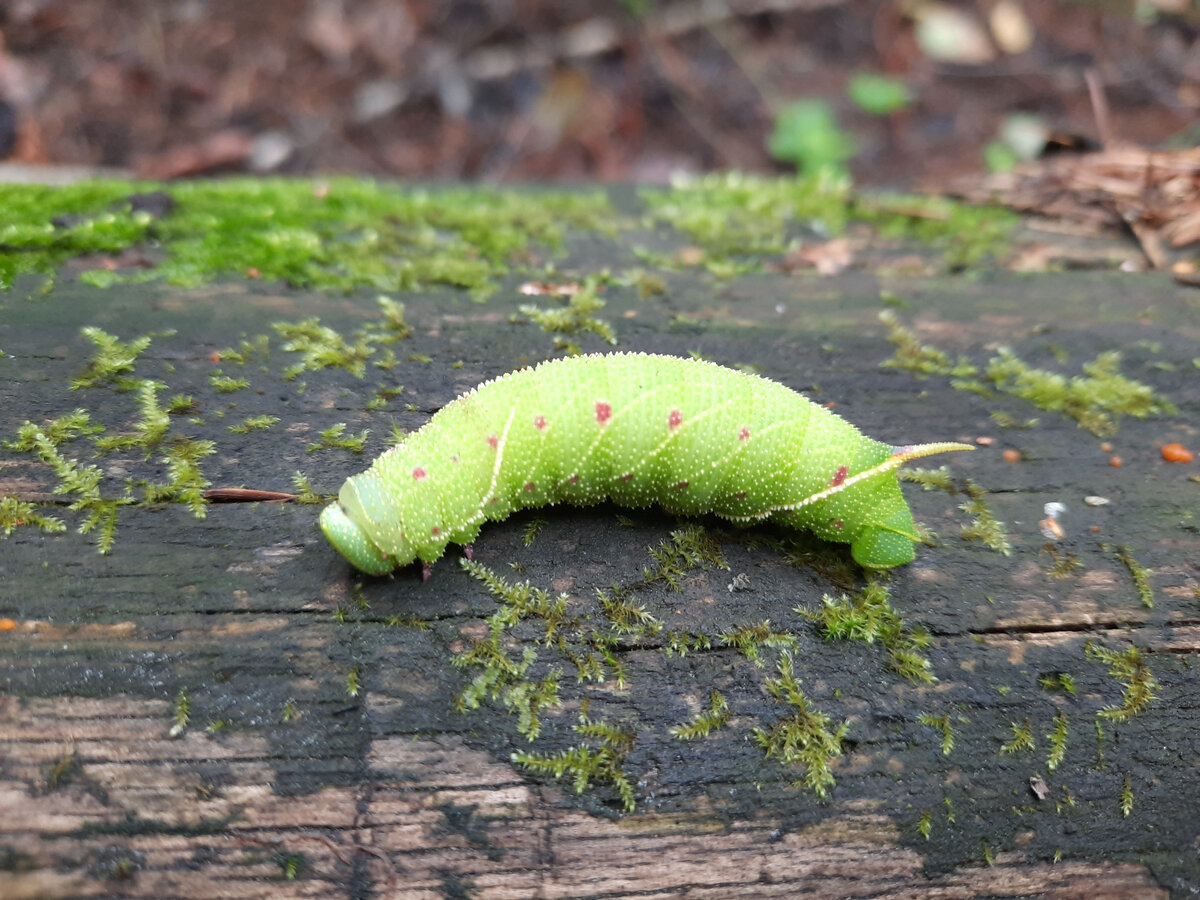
(901, 93)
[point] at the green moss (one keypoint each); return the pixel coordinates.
(1126, 797)
(1004, 420)
(335, 438)
(920, 359)
(224, 384)
(868, 616)
(254, 423)
(1062, 564)
(1055, 681)
(186, 482)
(16, 513)
(1058, 741)
(1141, 575)
(925, 824)
(985, 527)
(942, 724)
(291, 865)
(938, 479)
(601, 761)
(966, 235)
(803, 737)
(321, 347)
(738, 215)
(716, 716)
(532, 530)
(628, 619)
(182, 714)
(749, 640)
(151, 428)
(256, 350)
(335, 234)
(1022, 738)
(1131, 670)
(83, 481)
(576, 317)
(1095, 399)
(688, 548)
(111, 361)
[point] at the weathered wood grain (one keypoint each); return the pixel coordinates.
(395, 793)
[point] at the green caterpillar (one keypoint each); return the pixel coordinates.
(636, 429)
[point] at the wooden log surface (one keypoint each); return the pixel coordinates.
(323, 754)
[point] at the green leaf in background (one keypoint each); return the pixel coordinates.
(878, 94)
(807, 135)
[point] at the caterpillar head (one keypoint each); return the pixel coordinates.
(365, 499)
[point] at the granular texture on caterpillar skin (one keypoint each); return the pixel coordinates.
(638, 429)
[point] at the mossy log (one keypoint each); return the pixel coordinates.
(221, 707)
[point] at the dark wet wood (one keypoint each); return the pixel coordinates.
(394, 793)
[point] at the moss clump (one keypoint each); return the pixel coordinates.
(803, 737)
(576, 317)
(585, 764)
(869, 616)
(1141, 575)
(335, 438)
(1131, 670)
(920, 359)
(689, 547)
(1022, 738)
(334, 234)
(716, 716)
(942, 724)
(750, 639)
(113, 358)
(1095, 399)
(985, 527)
(1058, 741)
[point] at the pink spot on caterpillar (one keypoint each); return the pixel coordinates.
(838, 524)
(493, 441)
(744, 433)
(454, 458)
(675, 419)
(494, 500)
(419, 473)
(740, 495)
(683, 485)
(529, 486)
(435, 531)
(839, 476)
(603, 412)
(539, 422)
(574, 479)
(628, 476)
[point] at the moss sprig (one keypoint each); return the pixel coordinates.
(702, 724)
(1128, 667)
(803, 737)
(601, 762)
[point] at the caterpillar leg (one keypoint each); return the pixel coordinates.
(350, 541)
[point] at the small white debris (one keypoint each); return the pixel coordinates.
(1054, 510)
(1096, 501)
(741, 582)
